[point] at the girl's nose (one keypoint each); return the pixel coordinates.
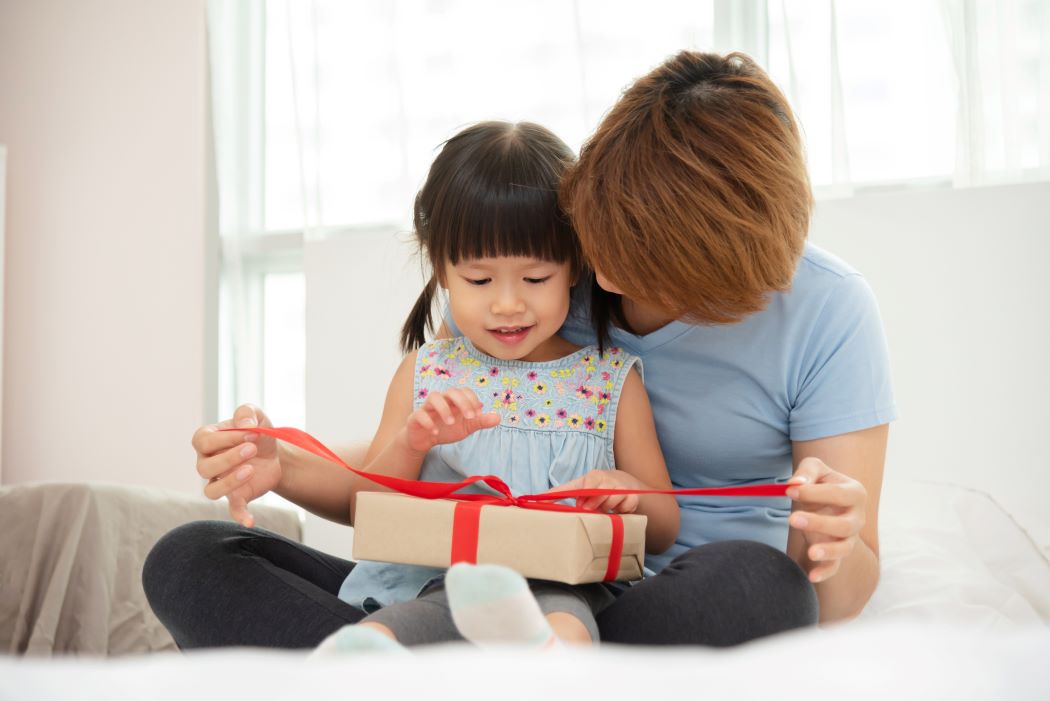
(508, 301)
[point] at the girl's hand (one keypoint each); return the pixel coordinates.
(447, 417)
(238, 466)
(829, 512)
(606, 479)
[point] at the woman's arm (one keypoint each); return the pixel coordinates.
(317, 485)
(834, 525)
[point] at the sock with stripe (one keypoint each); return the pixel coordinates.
(492, 605)
(354, 639)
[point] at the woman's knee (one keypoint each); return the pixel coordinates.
(177, 557)
(768, 578)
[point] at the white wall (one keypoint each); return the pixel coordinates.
(961, 277)
(102, 108)
(3, 220)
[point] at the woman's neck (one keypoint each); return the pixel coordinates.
(645, 318)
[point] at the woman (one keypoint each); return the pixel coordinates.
(764, 359)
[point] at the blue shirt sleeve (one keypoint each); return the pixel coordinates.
(843, 383)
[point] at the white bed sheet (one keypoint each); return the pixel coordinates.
(951, 554)
(874, 660)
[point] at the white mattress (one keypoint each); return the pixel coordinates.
(961, 613)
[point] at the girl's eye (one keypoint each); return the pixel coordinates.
(478, 281)
(537, 280)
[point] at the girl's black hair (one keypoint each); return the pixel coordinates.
(492, 191)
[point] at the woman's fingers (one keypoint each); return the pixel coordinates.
(846, 495)
(836, 526)
(823, 571)
(239, 510)
(209, 440)
(831, 550)
(223, 463)
(810, 470)
(219, 487)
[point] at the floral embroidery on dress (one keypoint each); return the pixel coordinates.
(575, 393)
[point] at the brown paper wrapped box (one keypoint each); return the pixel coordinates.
(560, 546)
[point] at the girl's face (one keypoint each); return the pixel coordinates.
(510, 307)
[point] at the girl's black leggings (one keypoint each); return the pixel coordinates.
(216, 583)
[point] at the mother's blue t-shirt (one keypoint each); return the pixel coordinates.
(729, 399)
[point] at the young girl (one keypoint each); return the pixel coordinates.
(509, 397)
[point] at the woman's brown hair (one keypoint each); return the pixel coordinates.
(693, 196)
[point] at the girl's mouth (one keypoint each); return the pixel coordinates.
(510, 335)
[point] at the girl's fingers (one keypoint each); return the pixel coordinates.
(629, 505)
(571, 484)
(437, 403)
(219, 487)
(489, 420)
(462, 401)
(835, 526)
(423, 419)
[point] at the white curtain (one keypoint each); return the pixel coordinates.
(906, 91)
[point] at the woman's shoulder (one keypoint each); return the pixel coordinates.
(827, 286)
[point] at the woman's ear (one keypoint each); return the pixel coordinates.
(603, 282)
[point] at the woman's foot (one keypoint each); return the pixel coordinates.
(492, 605)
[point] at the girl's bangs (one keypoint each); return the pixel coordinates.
(520, 220)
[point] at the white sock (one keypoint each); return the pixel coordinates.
(354, 639)
(492, 605)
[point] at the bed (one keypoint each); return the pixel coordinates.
(961, 612)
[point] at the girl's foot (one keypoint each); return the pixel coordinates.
(354, 639)
(492, 605)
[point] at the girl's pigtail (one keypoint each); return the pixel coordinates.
(413, 333)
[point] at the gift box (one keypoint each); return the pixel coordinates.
(564, 546)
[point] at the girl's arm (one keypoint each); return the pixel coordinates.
(834, 532)
(639, 465)
(638, 454)
(404, 436)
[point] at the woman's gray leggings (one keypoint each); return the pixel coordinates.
(216, 583)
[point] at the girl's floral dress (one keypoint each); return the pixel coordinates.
(558, 419)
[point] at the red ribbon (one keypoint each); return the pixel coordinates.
(467, 515)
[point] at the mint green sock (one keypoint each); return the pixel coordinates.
(492, 605)
(355, 639)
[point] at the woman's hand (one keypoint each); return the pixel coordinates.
(829, 512)
(238, 466)
(606, 479)
(447, 417)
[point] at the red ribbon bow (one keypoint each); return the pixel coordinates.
(467, 515)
